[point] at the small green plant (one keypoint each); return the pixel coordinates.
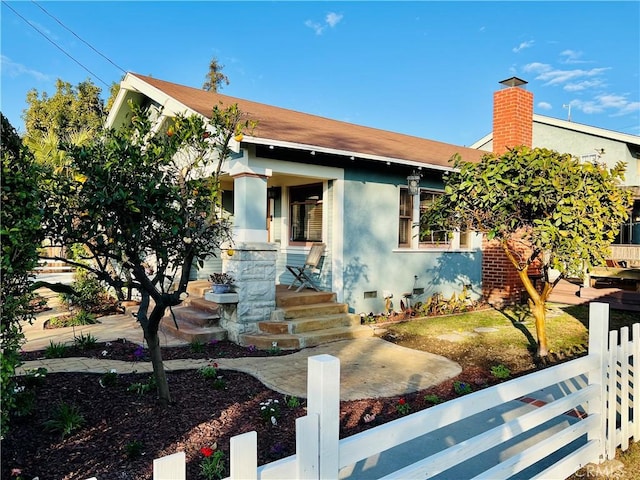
(24, 401)
(34, 377)
(210, 371)
(462, 388)
(500, 371)
(292, 401)
(85, 342)
(134, 449)
(270, 411)
(196, 347)
(432, 398)
(55, 350)
(275, 349)
(212, 465)
(109, 379)
(142, 388)
(66, 418)
(402, 407)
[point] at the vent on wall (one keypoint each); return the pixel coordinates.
(373, 294)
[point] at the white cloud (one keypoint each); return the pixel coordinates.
(544, 106)
(551, 76)
(331, 20)
(584, 85)
(14, 69)
(617, 105)
(522, 46)
(571, 56)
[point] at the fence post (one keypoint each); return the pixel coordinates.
(243, 463)
(171, 467)
(635, 348)
(307, 453)
(323, 394)
(598, 343)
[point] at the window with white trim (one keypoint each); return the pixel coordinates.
(412, 231)
(306, 213)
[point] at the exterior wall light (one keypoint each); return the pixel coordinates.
(413, 182)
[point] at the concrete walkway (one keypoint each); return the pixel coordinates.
(370, 367)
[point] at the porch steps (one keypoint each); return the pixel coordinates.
(569, 293)
(306, 319)
(196, 317)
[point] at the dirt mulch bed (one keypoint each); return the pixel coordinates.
(201, 415)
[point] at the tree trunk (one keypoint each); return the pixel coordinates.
(539, 311)
(150, 324)
(153, 341)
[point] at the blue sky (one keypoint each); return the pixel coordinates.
(427, 69)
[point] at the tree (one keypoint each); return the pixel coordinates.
(145, 206)
(20, 236)
(563, 213)
(69, 110)
(215, 78)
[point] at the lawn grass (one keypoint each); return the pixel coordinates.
(512, 327)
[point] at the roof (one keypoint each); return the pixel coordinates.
(285, 127)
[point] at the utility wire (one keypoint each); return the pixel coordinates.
(54, 43)
(75, 35)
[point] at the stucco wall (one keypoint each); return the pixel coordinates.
(374, 263)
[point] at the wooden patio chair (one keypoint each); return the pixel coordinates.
(304, 274)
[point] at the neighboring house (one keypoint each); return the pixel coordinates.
(514, 123)
(299, 179)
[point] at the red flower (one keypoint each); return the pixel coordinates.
(402, 401)
(206, 451)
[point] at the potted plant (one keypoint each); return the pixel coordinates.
(221, 282)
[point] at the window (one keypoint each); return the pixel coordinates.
(306, 213)
(410, 235)
(630, 231)
(438, 237)
(406, 218)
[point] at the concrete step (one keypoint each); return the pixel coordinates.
(309, 324)
(264, 341)
(314, 310)
(192, 333)
(197, 288)
(291, 298)
(194, 316)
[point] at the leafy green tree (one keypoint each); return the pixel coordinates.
(215, 78)
(69, 110)
(563, 213)
(20, 236)
(145, 205)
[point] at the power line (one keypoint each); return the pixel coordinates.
(54, 43)
(83, 41)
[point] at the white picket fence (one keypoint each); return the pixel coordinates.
(602, 386)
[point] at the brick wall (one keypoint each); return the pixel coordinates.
(512, 119)
(512, 126)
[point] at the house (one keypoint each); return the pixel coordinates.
(297, 179)
(514, 123)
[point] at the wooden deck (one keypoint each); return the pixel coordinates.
(574, 294)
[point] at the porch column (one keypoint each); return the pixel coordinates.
(250, 206)
(253, 265)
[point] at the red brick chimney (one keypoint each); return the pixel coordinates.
(512, 126)
(512, 116)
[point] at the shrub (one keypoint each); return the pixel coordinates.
(109, 379)
(134, 449)
(55, 350)
(432, 398)
(85, 342)
(270, 411)
(292, 402)
(500, 371)
(462, 388)
(142, 388)
(66, 418)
